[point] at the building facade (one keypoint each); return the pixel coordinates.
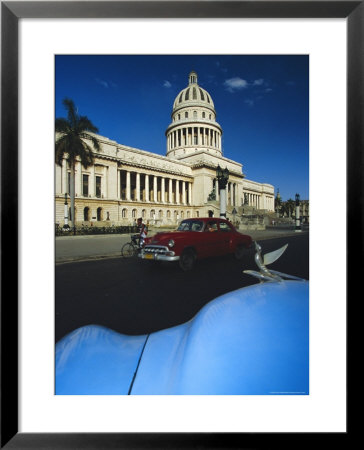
(125, 183)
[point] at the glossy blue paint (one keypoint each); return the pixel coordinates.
(96, 360)
(253, 341)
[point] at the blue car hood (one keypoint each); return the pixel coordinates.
(254, 340)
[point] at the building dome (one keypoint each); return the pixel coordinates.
(193, 94)
(193, 125)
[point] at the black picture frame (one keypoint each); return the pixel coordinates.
(11, 12)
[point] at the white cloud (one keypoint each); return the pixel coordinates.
(258, 82)
(235, 84)
(106, 84)
(167, 84)
(103, 83)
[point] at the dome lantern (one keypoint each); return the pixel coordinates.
(193, 77)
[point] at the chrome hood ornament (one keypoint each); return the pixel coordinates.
(265, 274)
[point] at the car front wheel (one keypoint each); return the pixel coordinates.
(187, 260)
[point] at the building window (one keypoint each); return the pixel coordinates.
(85, 185)
(186, 115)
(86, 214)
(99, 214)
(124, 213)
(203, 115)
(143, 213)
(134, 213)
(152, 214)
(98, 187)
(195, 114)
(168, 214)
(160, 214)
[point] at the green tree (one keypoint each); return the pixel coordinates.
(73, 133)
(277, 203)
(289, 207)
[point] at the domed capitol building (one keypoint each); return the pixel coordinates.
(125, 183)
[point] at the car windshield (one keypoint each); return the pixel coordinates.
(190, 225)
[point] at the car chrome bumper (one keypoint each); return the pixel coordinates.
(158, 253)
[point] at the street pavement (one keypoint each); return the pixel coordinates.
(137, 297)
(79, 248)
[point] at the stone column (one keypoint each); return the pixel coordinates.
(184, 192)
(127, 185)
(138, 187)
(107, 182)
(78, 179)
(163, 190)
(177, 192)
(155, 188)
(146, 188)
(170, 190)
(190, 193)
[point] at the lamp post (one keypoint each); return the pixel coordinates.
(222, 176)
(298, 219)
(234, 212)
(66, 226)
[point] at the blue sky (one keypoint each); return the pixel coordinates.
(261, 101)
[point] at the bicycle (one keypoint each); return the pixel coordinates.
(131, 248)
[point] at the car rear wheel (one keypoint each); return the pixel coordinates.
(187, 260)
(239, 252)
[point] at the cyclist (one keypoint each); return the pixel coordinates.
(142, 230)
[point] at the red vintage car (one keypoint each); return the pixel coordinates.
(194, 239)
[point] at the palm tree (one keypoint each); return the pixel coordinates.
(290, 206)
(71, 144)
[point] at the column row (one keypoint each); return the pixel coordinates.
(190, 136)
(231, 192)
(90, 183)
(135, 186)
(259, 201)
(252, 200)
